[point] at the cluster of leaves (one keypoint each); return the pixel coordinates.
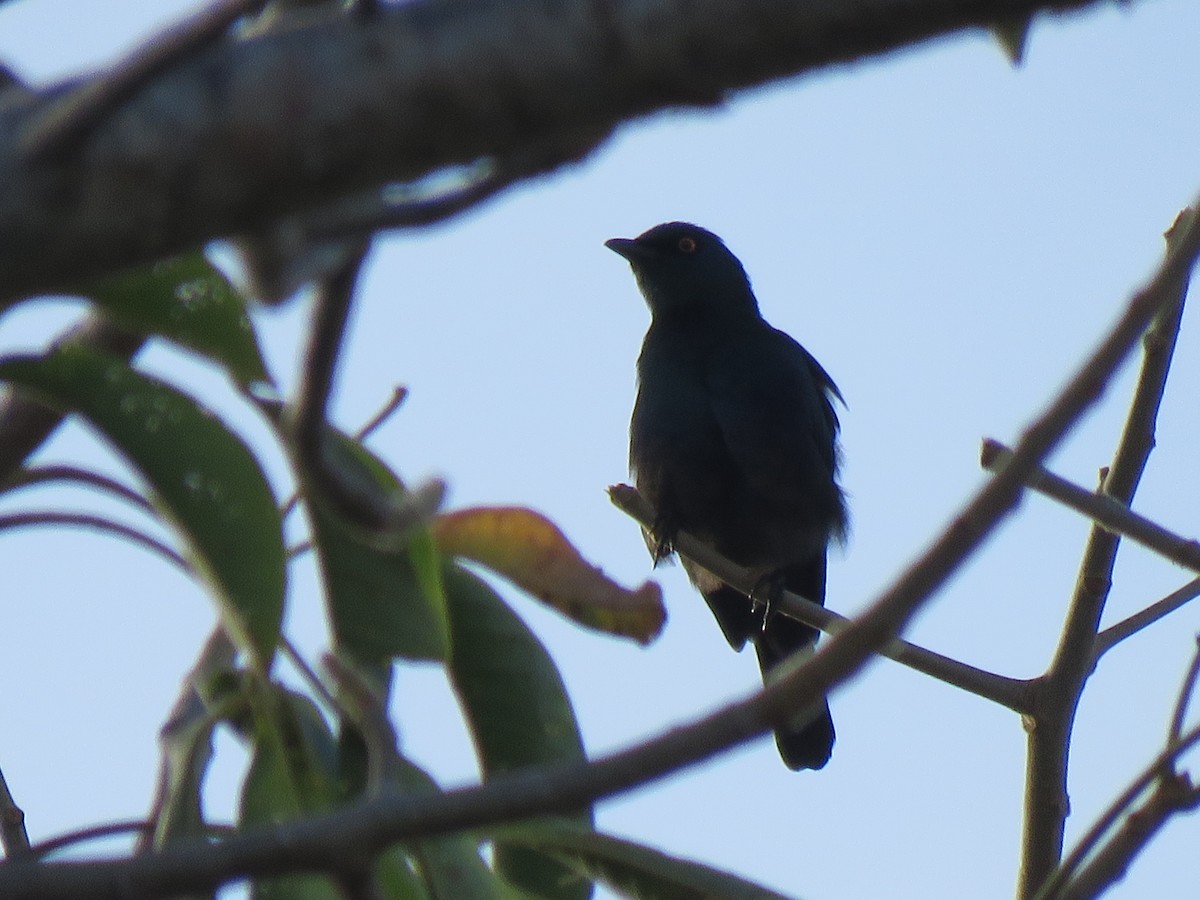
(333, 743)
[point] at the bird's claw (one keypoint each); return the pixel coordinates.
(765, 595)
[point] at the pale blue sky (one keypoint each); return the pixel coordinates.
(946, 234)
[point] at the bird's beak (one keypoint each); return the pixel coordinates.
(628, 248)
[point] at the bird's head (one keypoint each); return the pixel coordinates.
(683, 267)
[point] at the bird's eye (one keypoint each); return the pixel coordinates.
(687, 244)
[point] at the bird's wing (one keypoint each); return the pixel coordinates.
(773, 404)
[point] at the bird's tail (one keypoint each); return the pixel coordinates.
(807, 742)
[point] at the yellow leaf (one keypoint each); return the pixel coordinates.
(530, 551)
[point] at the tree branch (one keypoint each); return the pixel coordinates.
(245, 132)
(96, 523)
(1009, 692)
(1057, 693)
(31, 476)
(1103, 509)
(70, 116)
(1174, 794)
(1126, 628)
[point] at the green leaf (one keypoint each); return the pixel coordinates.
(517, 710)
(190, 302)
(188, 751)
(529, 550)
(398, 878)
(451, 865)
(631, 869)
(293, 772)
(202, 479)
(383, 602)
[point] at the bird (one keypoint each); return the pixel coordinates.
(734, 440)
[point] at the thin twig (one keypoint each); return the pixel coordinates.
(288, 649)
(96, 523)
(331, 311)
(1126, 628)
(1056, 695)
(13, 836)
(1159, 766)
(36, 475)
(1009, 692)
(1103, 509)
(69, 119)
(399, 395)
(302, 248)
(1173, 794)
(1185, 695)
(354, 497)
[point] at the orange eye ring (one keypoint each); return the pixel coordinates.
(687, 244)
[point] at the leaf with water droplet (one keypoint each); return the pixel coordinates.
(187, 300)
(203, 480)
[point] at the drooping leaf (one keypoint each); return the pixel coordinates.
(202, 479)
(529, 550)
(631, 869)
(187, 300)
(293, 772)
(450, 865)
(383, 602)
(188, 751)
(186, 741)
(518, 712)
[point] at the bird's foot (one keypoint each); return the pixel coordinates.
(765, 595)
(662, 540)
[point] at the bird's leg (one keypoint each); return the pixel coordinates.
(661, 539)
(766, 593)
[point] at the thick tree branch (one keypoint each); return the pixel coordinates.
(70, 116)
(248, 131)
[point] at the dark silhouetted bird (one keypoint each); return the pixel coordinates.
(734, 440)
